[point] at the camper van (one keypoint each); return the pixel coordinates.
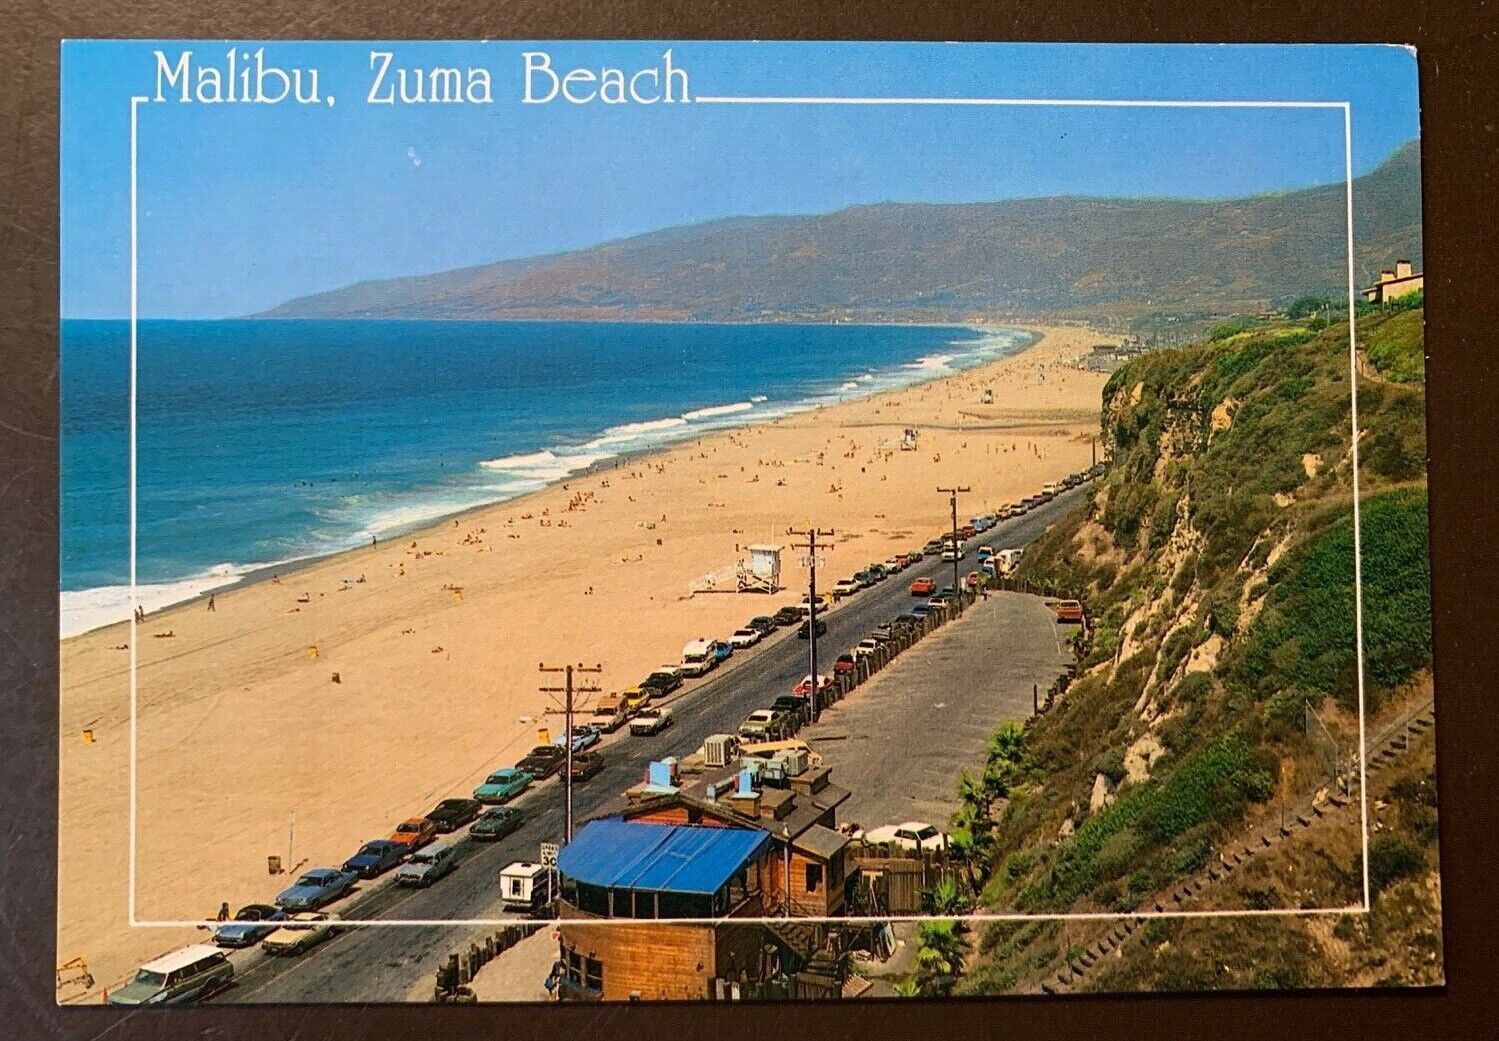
(698, 658)
(1007, 559)
(524, 887)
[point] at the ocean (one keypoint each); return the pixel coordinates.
(263, 442)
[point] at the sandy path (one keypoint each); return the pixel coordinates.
(435, 637)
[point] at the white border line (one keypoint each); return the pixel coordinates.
(1345, 106)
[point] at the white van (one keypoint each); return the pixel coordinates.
(698, 658)
(1007, 558)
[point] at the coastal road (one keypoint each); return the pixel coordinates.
(378, 963)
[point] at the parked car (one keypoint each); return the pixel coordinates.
(795, 706)
(865, 578)
(805, 631)
(846, 587)
(878, 571)
(376, 857)
(413, 834)
(496, 823)
(895, 564)
(971, 581)
(804, 686)
(183, 975)
(636, 698)
(951, 553)
(844, 663)
(823, 603)
(765, 724)
(921, 610)
(763, 622)
(504, 785)
(585, 736)
(452, 814)
(699, 657)
(723, 650)
(663, 681)
(610, 713)
(650, 721)
(912, 835)
(788, 615)
(541, 762)
(303, 931)
(865, 647)
(250, 925)
(585, 766)
(428, 865)
(317, 888)
(923, 587)
(746, 637)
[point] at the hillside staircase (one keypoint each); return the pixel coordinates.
(1387, 749)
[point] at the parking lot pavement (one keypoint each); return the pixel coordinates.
(899, 742)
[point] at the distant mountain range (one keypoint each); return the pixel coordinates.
(921, 261)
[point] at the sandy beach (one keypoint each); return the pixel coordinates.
(308, 712)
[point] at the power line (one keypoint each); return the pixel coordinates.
(568, 689)
(953, 493)
(811, 535)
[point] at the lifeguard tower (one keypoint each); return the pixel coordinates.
(760, 574)
(763, 573)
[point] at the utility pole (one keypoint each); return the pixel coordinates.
(953, 498)
(568, 690)
(810, 559)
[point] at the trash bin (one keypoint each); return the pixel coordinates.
(273, 864)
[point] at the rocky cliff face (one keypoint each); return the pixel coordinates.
(1216, 560)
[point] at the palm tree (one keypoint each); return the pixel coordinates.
(939, 956)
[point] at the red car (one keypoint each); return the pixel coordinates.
(805, 686)
(414, 833)
(923, 587)
(845, 663)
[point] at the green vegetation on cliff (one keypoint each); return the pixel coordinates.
(1216, 560)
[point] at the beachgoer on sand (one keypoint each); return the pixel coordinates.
(224, 911)
(210, 603)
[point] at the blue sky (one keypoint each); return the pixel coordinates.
(244, 206)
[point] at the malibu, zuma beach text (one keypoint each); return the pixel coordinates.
(243, 76)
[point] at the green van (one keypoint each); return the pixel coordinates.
(183, 975)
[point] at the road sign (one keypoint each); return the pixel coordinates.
(549, 854)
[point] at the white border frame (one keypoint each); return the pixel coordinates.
(1364, 908)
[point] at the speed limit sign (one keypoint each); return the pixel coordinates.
(549, 854)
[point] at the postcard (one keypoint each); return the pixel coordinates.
(710, 521)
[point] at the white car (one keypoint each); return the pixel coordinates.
(912, 835)
(650, 721)
(895, 565)
(746, 637)
(846, 587)
(865, 646)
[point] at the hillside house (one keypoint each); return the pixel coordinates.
(1392, 285)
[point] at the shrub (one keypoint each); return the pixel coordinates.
(1392, 858)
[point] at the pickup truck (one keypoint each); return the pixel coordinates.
(664, 680)
(650, 721)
